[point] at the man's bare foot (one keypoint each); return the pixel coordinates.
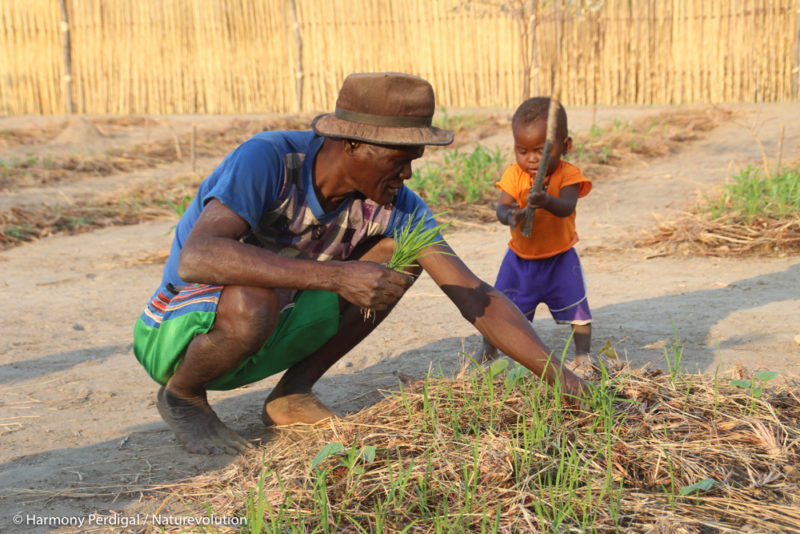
(582, 359)
(288, 409)
(486, 353)
(196, 425)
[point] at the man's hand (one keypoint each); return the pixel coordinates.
(371, 285)
(574, 390)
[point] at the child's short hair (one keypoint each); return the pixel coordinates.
(536, 108)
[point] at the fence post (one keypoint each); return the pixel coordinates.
(67, 49)
(796, 69)
(299, 51)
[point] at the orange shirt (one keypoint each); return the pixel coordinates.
(551, 234)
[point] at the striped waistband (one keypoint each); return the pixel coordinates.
(165, 304)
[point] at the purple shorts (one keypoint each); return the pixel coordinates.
(556, 281)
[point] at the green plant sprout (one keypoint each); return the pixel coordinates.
(704, 485)
(756, 386)
(352, 456)
(463, 177)
(180, 208)
(674, 362)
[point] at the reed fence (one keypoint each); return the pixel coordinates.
(253, 56)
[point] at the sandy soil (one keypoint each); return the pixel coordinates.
(79, 432)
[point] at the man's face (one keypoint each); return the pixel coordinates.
(380, 171)
(528, 144)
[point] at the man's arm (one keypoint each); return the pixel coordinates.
(497, 318)
(213, 254)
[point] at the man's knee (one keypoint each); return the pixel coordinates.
(247, 314)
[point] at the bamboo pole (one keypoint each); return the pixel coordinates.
(796, 64)
(729, 64)
(298, 50)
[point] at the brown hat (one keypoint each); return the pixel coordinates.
(384, 108)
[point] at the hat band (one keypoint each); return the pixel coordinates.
(382, 120)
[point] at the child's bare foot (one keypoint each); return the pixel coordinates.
(288, 409)
(486, 353)
(196, 425)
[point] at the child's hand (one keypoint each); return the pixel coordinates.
(538, 200)
(515, 216)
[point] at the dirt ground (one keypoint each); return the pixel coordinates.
(79, 432)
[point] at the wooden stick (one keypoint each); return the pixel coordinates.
(541, 171)
(780, 150)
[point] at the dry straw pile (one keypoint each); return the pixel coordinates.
(730, 235)
(494, 450)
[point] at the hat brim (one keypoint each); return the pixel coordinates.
(331, 126)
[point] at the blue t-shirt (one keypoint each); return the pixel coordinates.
(267, 181)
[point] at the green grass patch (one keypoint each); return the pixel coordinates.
(461, 177)
(754, 194)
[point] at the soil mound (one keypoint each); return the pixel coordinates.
(78, 131)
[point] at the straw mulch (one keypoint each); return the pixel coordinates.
(731, 234)
(439, 455)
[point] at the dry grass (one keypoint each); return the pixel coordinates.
(29, 136)
(443, 459)
(131, 205)
(59, 169)
(604, 148)
(730, 235)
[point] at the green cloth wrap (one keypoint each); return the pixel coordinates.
(301, 330)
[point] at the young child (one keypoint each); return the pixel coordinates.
(544, 267)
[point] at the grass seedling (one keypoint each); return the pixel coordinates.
(257, 503)
(671, 492)
(462, 177)
(23, 232)
(716, 392)
(753, 194)
(179, 208)
(674, 363)
(412, 243)
(321, 500)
